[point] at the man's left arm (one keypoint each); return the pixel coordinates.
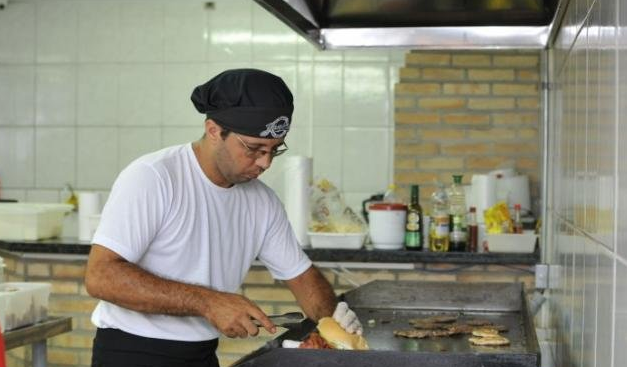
(313, 293)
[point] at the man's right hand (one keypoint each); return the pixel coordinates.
(233, 314)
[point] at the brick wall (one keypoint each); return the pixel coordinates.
(69, 298)
(466, 112)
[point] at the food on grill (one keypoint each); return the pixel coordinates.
(442, 318)
(494, 340)
(338, 338)
(413, 333)
(478, 322)
(458, 328)
(314, 341)
(485, 331)
(419, 324)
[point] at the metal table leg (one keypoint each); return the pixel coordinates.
(39, 353)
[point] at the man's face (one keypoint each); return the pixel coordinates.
(241, 158)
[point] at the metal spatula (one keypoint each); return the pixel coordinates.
(287, 320)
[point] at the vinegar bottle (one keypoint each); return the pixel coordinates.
(473, 230)
(413, 225)
(457, 211)
(518, 226)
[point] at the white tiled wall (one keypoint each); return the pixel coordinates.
(588, 176)
(87, 86)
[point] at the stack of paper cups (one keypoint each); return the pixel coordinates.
(298, 177)
(88, 205)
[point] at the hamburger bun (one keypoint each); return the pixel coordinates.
(338, 338)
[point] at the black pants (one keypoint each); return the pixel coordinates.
(116, 348)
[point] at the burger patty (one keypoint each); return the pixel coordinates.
(493, 340)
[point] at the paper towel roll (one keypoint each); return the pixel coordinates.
(298, 177)
(88, 204)
(517, 190)
(484, 193)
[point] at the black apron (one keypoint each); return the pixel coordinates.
(116, 348)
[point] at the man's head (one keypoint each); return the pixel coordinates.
(248, 115)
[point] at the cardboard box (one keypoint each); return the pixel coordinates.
(31, 221)
(23, 304)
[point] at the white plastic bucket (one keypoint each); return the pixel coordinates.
(387, 225)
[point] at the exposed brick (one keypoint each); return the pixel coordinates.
(425, 58)
(38, 270)
(471, 60)
(441, 163)
(528, 133)
(442, 134)
(528, 103)
(515, 89)
(516, 118)
(447, 177)
(400, 102)
(485, 163)
(527, 75)
(268, 294)
(416, 118)
(527, 163)
(62, 356)
(441, 103)
(409, 73)
(417, 88)
(466, 149)
(490, 74)
(61, 287)
(491, 103)
(513, 148)
(516, 61)
(466, 119)
(404, 134)
(73, 339)
(405, 163)
(466, 88)
(416, 149)
(415, 177)
(492, 134)
(258, 277)
(442, 74)
(71, 304)
(68, 271)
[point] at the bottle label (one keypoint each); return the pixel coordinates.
(413, 221)
(441, 226)
(413, 239)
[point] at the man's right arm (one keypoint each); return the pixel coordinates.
(111, 278)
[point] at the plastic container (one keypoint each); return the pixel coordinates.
(512, 243)
(329, 240)
(31, 221)
(23, 304)
(387, 225)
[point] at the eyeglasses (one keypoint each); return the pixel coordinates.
(258, 153)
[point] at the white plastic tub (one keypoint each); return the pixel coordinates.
(31, 221)
(513, 243)
(328, 240)
(23, 304)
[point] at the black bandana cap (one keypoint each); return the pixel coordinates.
(247, 101)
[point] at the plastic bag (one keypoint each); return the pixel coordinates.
(329, 213)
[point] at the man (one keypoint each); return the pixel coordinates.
(182, 227)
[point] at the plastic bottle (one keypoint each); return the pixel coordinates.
(413, 224)
(457, 211)
(439, 227)
(390, 195)
(473, 230)
(518, 226)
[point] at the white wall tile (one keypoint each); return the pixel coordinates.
(56, 95)
(140, 95)
(42, 196)
(137, 141)
(303, 95)
(328, 95)
(181, 135)
(327, 148)
(17, 157)
(17, 95)
(185, 31)
(17, 27)
(141, 28)
(57, 36)
(299, 141)
(55, 157)
(272, 40)
(367, 55)
(19, 195)
(360, 155)
(178, 83)
(97, 157)
(97, 93)
(230, 34)
(366, 95)
(99, 31)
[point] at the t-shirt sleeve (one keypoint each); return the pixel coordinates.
(133, 213)
(280, 251)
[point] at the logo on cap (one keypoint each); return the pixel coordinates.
(277, 128)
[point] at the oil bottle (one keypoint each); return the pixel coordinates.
(439, 226)
(413, 225)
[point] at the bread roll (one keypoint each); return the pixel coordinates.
(339, 338)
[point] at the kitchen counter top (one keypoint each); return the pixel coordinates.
(365, 255)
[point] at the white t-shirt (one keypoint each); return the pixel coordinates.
(166, 216)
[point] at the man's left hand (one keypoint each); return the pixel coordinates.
(347, 318)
